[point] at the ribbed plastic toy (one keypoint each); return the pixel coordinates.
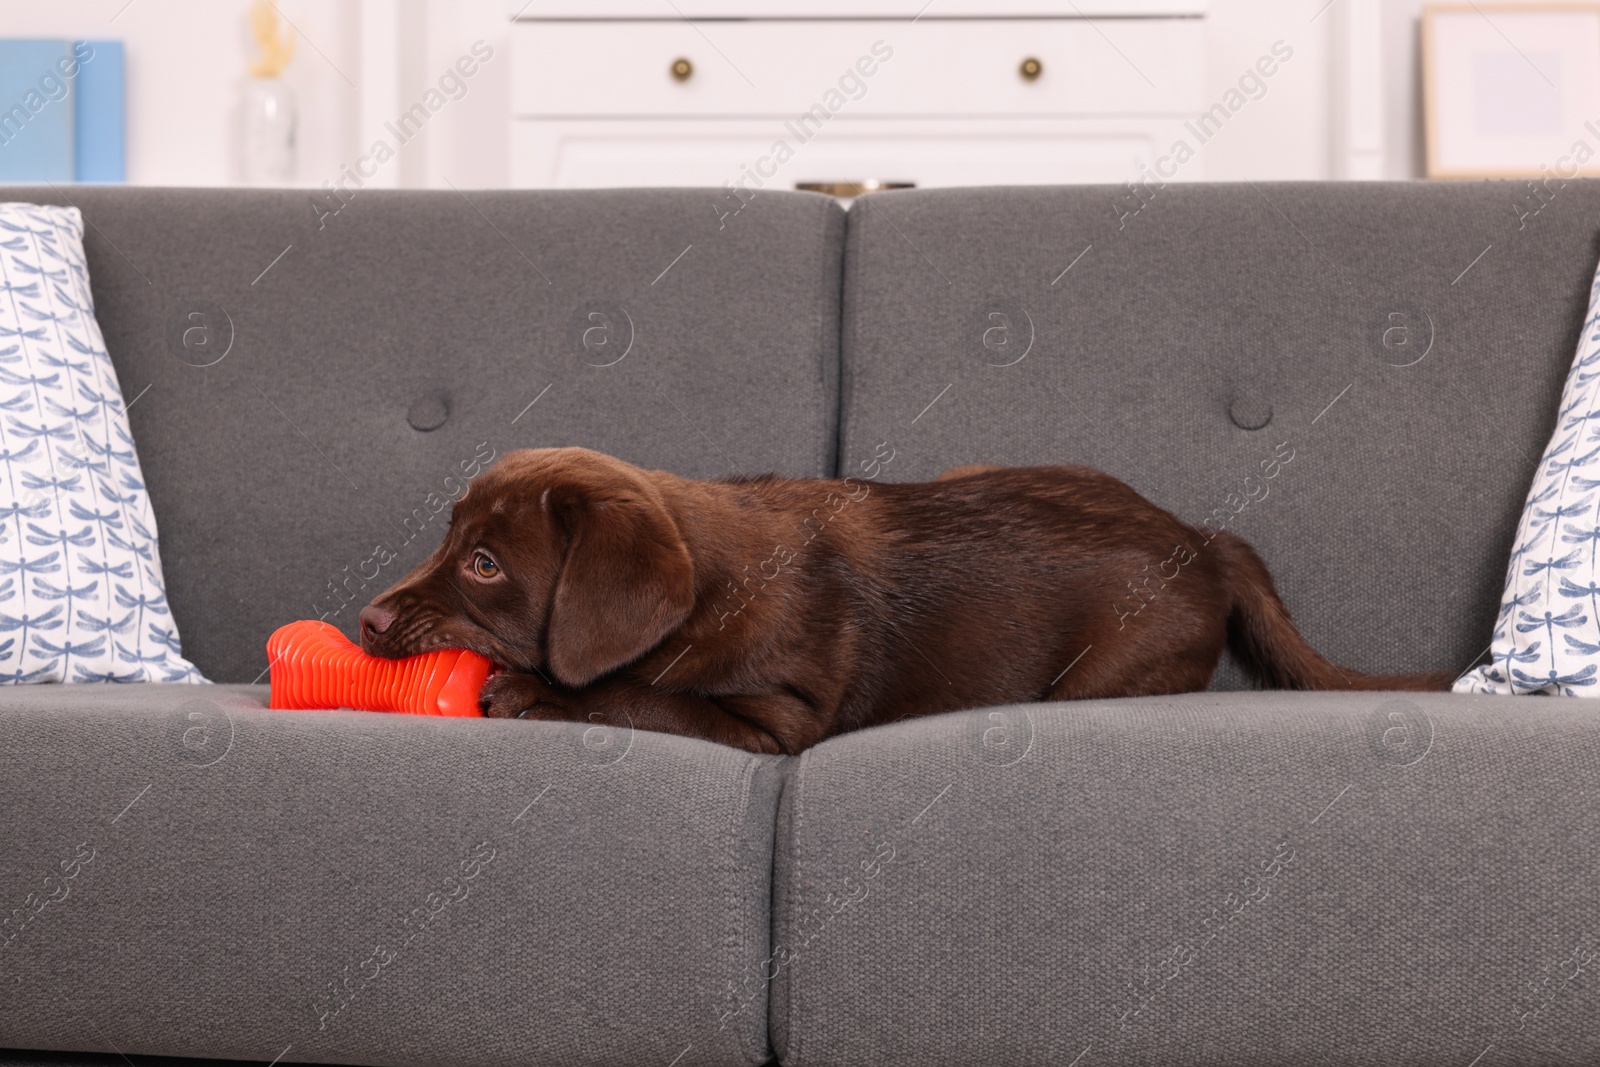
(314, 666)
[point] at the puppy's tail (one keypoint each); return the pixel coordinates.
(1269, 648)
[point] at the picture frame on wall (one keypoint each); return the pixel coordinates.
(1511, 90)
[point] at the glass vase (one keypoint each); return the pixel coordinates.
(268, 133)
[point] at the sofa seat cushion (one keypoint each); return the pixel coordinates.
(36, 1058)
(193, 874)
(1214, 878)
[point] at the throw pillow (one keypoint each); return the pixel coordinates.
(82, 597)
(1547, 635)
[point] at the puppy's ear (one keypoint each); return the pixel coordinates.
(627, 581)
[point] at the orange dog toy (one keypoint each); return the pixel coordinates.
(315, 666)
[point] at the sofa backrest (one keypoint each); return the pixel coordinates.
(1357, 378)
(309, 390)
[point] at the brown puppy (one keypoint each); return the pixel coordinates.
(771, 613)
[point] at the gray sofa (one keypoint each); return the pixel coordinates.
(1220, 878)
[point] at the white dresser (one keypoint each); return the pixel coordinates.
(782, 93)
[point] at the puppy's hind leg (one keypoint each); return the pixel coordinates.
(1117, 671)
(1171, 645)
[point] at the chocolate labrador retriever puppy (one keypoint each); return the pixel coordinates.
(770, 613)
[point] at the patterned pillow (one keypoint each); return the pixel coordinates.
(81, 593)
(1547, 636)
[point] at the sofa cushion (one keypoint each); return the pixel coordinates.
(188, 873)
(318, 393)
(1547, 634)
(1406, 343)
(1216, 878)
(80, 564)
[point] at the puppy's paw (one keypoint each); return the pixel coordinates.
(514, 695)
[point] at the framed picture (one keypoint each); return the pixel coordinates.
(1511, 90)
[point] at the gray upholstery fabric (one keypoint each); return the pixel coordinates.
(31, 1058)
(1390, 879)
(276, 472)
(1214, 879)
(544, 893)
(1390, 528)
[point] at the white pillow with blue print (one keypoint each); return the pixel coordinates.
(82, 597)
(1547, 635)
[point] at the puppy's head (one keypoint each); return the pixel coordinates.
(560, 559)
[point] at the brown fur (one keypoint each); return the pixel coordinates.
(771, 613)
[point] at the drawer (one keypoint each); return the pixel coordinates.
(857, 68)
(567, 153)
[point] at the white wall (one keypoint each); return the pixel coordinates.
(1402, 71)
(187, 60)
(471, 147)
(1286, 134)
(1296, 134)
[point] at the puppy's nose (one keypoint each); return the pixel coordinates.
(374, 621)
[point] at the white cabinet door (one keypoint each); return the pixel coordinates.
(942, 152)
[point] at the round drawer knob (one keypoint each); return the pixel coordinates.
(682, 69)
(1031, 69)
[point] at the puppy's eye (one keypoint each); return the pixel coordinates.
(484, 567)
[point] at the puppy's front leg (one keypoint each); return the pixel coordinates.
(622, 703)
(516, 695)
